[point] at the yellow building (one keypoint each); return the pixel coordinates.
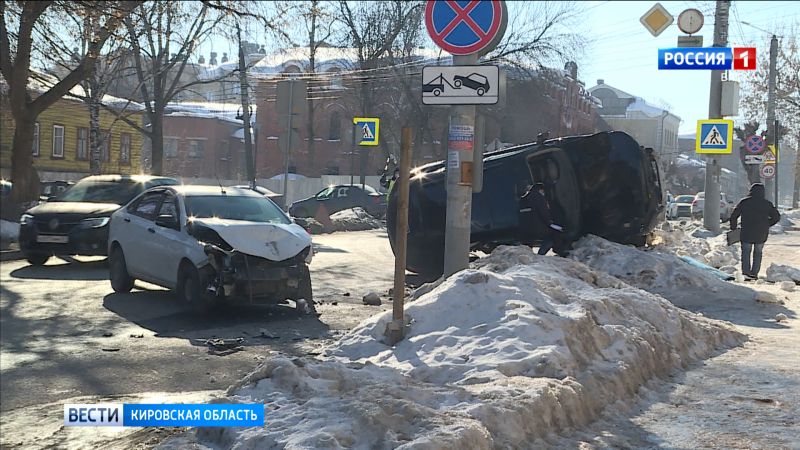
(61, 143)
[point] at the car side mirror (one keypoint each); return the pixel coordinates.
(167, 221)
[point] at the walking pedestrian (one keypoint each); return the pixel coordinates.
(537, 220)
(758, 215)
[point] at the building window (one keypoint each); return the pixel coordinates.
(125, 148)
(35, 146)
(335, 130)
(58, 141)
(105, 143)
(196, 148)
(170, 148)
(81, 151)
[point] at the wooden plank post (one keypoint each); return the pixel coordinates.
(395, 330)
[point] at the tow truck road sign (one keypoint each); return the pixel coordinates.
(754, 159)
(460, 85)
(367, 130)
(714, 136)
(768, 170)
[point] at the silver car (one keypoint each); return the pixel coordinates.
(212, 245)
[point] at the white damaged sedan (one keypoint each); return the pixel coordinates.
(211, 244)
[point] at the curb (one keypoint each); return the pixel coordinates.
(11, 255)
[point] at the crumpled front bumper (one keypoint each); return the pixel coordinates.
(252, 279)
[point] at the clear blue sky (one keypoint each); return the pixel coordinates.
(624, 53)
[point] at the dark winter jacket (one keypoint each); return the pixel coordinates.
(757, 213)
(535, 216)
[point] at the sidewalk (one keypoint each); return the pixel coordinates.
(745, 398)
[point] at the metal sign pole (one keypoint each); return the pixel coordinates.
(459, 188)
(288, 147)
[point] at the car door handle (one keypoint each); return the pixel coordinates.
(127, 219)
(152, 230)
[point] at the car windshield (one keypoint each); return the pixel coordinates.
(684, 199)
(326, 193)
(252, 209)
(97, 191)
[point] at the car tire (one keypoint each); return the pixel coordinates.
(190, 289)
(457, 83)
(121, 281)
(437, 92)
(37, 259)
(305, 291)
(481, 91)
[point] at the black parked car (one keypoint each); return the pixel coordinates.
(604, 184)
(76, 222)
(340, 197)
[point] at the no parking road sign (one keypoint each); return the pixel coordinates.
(464, 27)
(714, 136)
(754, 144)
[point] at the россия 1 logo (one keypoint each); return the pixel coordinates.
(707, 58)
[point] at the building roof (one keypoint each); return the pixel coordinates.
(638, 104)
(209, 110)
(41, 82)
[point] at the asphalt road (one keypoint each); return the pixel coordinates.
(65, 334)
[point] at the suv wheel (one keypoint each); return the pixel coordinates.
(37, 259)
(121, 281)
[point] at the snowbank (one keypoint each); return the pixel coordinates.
(653, 270)
(777, 273)
(499, 356)
(699, 244)
(355, 219)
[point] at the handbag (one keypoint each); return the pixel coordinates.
(734, 236)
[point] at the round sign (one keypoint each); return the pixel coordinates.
(690, 21)
(754, 144)
(768, 170)
(466, 27)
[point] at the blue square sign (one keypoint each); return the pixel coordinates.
(714, 136)
(367, 130)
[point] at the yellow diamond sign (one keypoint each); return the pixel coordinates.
(657, 19)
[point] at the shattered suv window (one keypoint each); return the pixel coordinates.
(252, 209)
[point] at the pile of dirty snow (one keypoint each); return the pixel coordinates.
(499, 356)
(777, 273)
(654, 271)
(355, 219)
(699, 244)
(785, 224)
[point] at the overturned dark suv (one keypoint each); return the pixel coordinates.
(604, 184)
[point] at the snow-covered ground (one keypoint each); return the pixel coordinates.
(505, 355)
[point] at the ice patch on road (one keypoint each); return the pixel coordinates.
(499, 356)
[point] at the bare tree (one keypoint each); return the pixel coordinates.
(19, 23)
(787, 85)
(541, 33)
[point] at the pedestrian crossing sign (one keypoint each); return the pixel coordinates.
(367, 130)
(714, 136)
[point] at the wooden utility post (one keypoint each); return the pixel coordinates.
(395, 329)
